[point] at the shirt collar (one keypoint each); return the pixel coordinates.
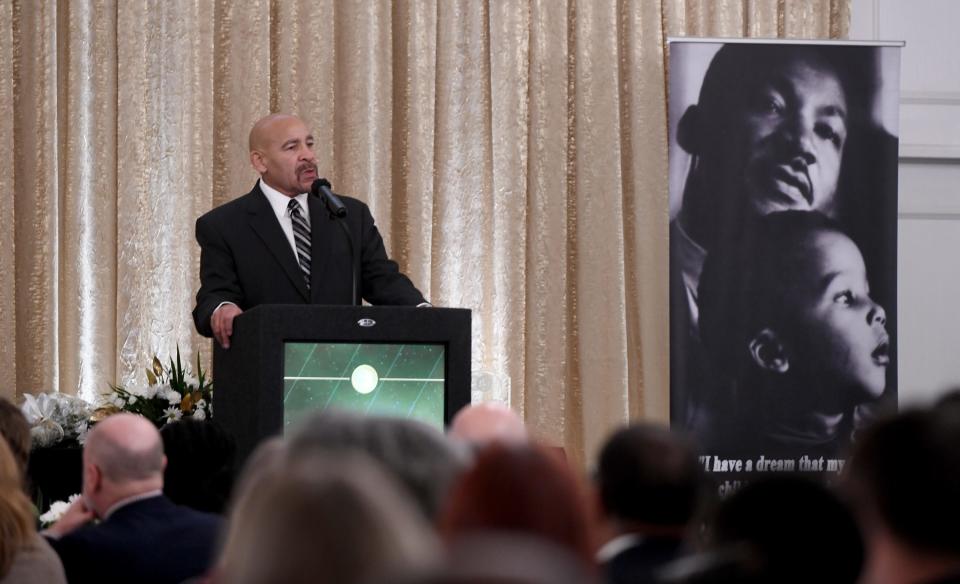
(617, 545)
(129, 500)
(279, 201)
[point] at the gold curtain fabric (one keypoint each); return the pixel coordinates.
(513, 153)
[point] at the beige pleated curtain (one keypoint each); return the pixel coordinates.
(513, 153)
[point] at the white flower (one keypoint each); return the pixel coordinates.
(172, 414)
(82, 435)
(172, 396)
(199, 414)
(201, 403)
(131, 400)
(56, 510)
(191, 381)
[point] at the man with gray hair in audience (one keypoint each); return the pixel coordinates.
(418, 456)
(142, 536)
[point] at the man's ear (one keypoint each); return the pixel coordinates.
(256, 160)
(689, 130)
(768, 352)
(92, 477)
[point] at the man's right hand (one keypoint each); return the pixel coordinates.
(222, 323)
(75, 517)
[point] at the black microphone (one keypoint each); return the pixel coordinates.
(321, 188)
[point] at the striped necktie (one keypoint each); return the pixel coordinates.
(301, 235)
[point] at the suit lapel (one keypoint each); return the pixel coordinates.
(264, 223)
(321, 227)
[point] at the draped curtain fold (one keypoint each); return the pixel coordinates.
(513, 153)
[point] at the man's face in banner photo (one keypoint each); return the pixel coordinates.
(794, 130)
(768, 133)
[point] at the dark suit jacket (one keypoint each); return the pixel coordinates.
(152, 541)
(246, 259)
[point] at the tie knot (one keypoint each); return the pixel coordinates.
(294, 207)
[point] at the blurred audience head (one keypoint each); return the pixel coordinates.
(522, 490)
(200, 464)
(503, 558)
(787, 529)
(483, 423)
(904, 478)
(16, 513)
(649, 480)
(15, 430)
(122, 457)
(323, 518)
(418, 456)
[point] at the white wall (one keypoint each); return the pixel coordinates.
(929, 215)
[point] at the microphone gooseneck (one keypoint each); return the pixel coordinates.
(338, 211)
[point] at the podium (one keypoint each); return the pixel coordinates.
(287, 360)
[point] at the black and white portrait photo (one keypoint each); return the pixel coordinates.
(783, 210)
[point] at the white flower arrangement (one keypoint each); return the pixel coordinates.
(56, 511)
(171, 393)
(55, 417)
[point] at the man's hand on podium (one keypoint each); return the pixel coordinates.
(221, 321)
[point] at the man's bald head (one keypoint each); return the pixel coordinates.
(488, 422)
(126, 448)
(262, 131)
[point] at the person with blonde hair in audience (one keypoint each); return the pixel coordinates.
(25, 557)
(15, 430)
(501, 558)
(322, 518)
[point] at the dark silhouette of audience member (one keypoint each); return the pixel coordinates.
(786, 529)
(25, 557)
(142, 536)
(323, 518)
(649, 485)
(200, 464)
(521, 490)
(786, 316)
(418, 456)
(904, 478)
(15, 430)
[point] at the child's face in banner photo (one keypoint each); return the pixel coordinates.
(794, 127)
(840, 338)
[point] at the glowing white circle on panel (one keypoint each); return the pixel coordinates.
(364, 379)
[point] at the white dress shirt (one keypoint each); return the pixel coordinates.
(278, 202)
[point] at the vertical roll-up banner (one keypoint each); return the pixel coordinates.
(783, 243)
